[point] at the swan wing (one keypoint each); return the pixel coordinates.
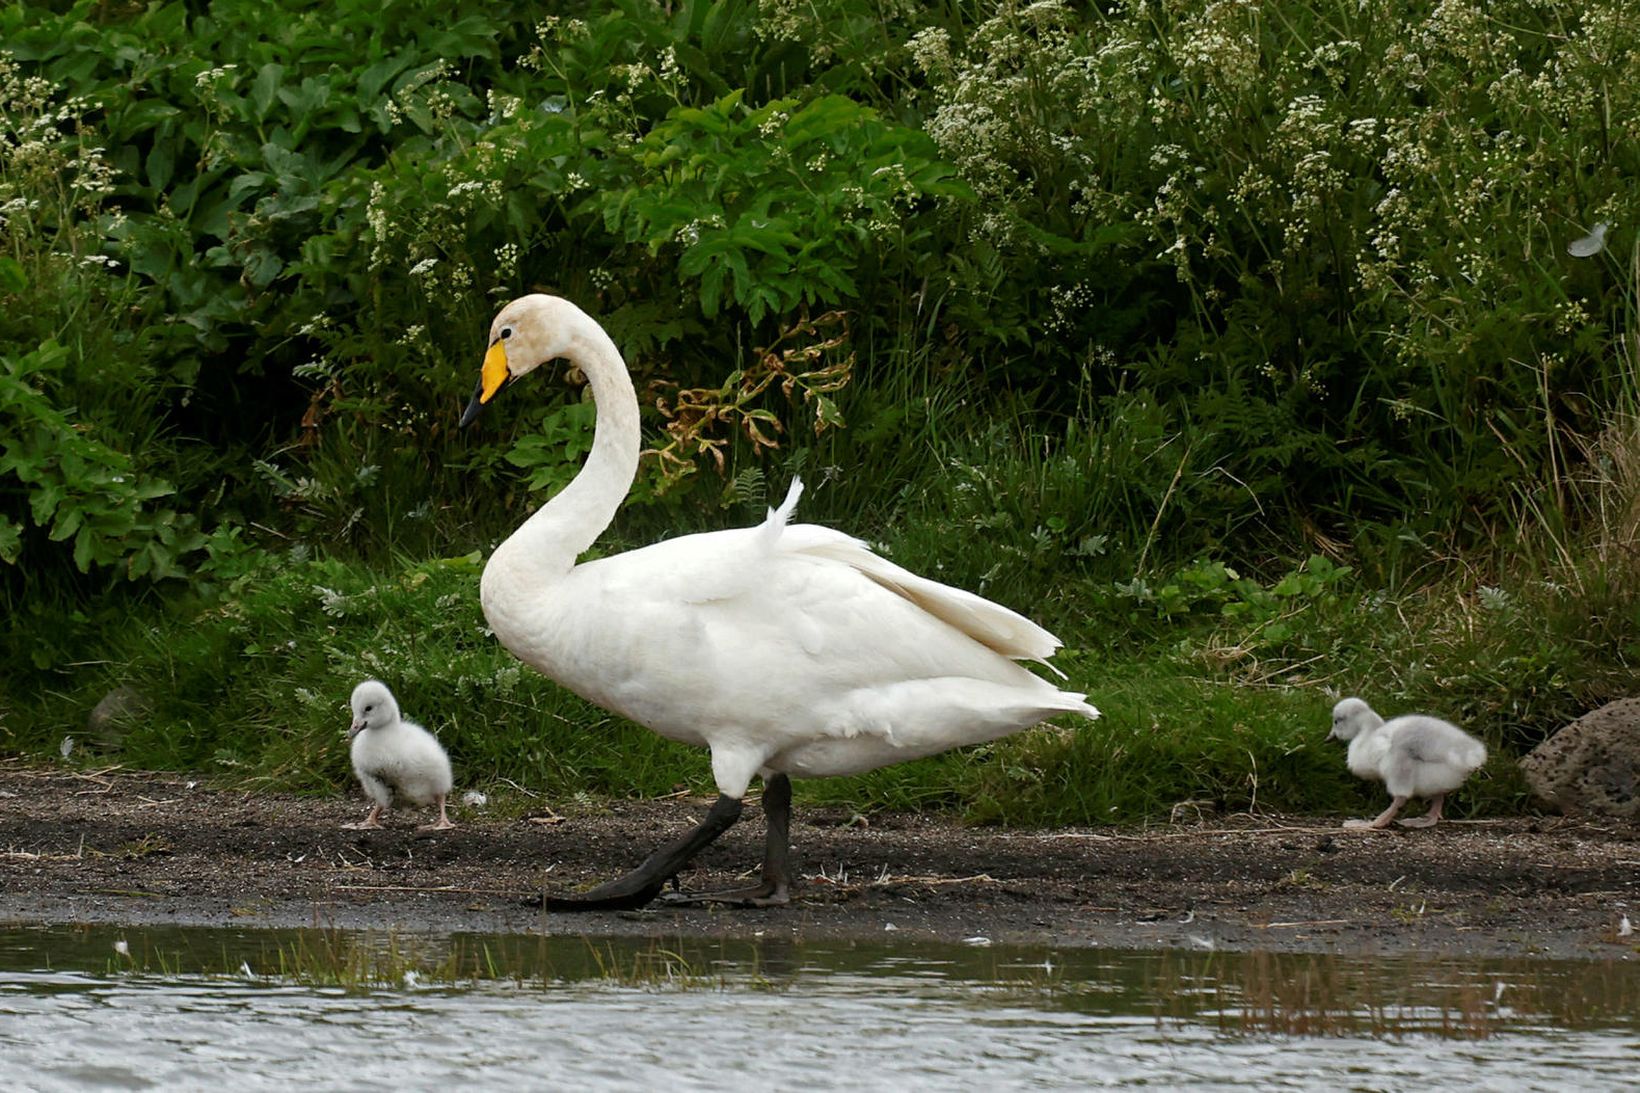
(720, 567)
(992, 625)
(996, 627)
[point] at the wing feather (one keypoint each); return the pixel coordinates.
(721, 566)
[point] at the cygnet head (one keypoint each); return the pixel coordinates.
(1350, 718)
(373, 707)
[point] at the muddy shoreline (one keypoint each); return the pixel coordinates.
(139, 848)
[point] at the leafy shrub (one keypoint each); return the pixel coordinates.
(1288, 233)
(74, 466)
(1342, 232)
(78, 488)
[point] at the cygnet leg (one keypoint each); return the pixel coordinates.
(775, 888)
(370, 822)
(645, 882)
(1430, 818)
(1383, 818)
(443, 823)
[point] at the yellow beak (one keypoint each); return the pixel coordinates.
(495, 372)
(490, 379)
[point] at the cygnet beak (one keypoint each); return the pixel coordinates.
(355, 729)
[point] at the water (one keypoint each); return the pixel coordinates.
(192, 1008)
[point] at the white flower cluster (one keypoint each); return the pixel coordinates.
(463, 193)
(379, 223)
(210, 77)
(506, 262)
(55, 179)
(669, 70)
(1219, 46)
(774, 123)
(1036, 88)
(319, 322)
(1304, 141)
(1070, 303)
(502, 106)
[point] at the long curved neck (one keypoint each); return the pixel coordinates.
(546, 546)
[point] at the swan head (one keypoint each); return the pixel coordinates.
(525, 334)
(1350, 718)
(373, 707)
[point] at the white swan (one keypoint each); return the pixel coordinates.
(786, 649)
(392, 755)
(1413, 755)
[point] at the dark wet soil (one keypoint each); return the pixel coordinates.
(136, 848)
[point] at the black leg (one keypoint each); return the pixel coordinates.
(775, 888)
(644, 883)
(777, 850)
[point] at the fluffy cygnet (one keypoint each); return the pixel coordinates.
(392, 755)
(1413, 755)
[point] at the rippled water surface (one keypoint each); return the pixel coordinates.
(147, 1008)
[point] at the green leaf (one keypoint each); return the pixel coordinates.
(250, 180)
(266, 88)
(160, 163)
(261, 267)
(12, 277)
(68, 522)
(11, 542)
(826, 413)
(374, 78)
(43, 501)
(310, 96)
(83, 550)
(145, 114)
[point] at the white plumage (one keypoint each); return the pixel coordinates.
(1413, 755)
(393, 756)
(786, 649)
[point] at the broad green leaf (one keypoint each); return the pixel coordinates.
(161, 161)
(12, 276)
(265, 88)
(11, 541)
(306, 98)
(374, 78)
(261, 267)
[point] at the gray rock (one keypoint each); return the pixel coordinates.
(1591, 766)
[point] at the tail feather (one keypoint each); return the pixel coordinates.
(776, 521)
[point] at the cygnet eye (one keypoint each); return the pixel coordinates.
(367, 709)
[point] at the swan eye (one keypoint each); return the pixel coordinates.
(506, 332)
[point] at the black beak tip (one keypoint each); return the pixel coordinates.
(474, 408)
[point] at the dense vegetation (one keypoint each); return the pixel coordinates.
(1264, 351)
